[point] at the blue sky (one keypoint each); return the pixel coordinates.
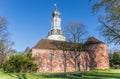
(30, 20)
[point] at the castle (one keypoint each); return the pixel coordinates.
(51, 57)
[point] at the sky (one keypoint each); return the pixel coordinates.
(30, 20)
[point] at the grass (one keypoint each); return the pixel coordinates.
(95, 74)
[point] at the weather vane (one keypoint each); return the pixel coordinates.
(55, 6)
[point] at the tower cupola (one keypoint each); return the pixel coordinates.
(56, 32)
(56, 13)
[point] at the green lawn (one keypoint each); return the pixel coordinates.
(96, 74)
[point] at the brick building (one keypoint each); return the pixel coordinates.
(51, 58)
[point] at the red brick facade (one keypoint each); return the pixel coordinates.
(51, 59)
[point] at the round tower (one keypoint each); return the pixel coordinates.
(98, 52)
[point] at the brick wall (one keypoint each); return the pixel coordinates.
(55, 60)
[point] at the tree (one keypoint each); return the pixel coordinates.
(2, 39)
(110, 59)
(114, 59)
(20, 63)
(3, 29)
(5, 43)
(74, 33)
(110, 20)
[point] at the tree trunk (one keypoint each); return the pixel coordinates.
(76, 64)
(64, 61)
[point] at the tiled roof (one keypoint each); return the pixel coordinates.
(48, 44)
(55, 45)
(92, 40)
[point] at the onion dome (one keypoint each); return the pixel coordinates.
(56, 13)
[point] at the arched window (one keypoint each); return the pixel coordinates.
(56, 56)
(62, 56)
(60, 65)
(94, 64)
(67, 57)
(37, 55)
(47, 65)
(78, 57)
(85, 57)
(73, 57)
(93, 55)
(50, 56)
(65, 65)
(40, 64)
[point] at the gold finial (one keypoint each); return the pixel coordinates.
(55, 6)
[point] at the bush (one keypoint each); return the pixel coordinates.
(20, 63)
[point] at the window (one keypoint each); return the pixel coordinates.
(37, 55)
(93, 55)
(78, 65)
(40, 64)
(60, 65)
(94, 64)
(73, 57)
(65, 65)
(59, 46)
(47, 65)
(62, 56)
(78, 57)
(94, 47)
(86, 57)
(67, 57)
(56, 56)
(50, 56)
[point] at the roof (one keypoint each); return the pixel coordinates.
(92, 40)
(55, 45)
(48, 44)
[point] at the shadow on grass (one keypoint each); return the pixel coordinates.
(83, 75)
(18, 76)
(63, 75)
(101, 75)
(12, 75)
(70, 75)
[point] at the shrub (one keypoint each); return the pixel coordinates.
(20, 63)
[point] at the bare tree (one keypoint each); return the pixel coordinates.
(3, 29)
(110, 20)
(5, 43)
(75, 32)
(75, 51)
(63, 46)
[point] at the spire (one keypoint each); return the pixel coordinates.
(55, 6)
